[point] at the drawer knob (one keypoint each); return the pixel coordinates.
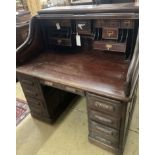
(108, 46)
(106, 120)
(104, 106)
(110, 33)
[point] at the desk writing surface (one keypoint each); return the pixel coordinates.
(93, 71)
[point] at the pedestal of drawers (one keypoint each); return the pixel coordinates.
(34, 97)
(104, 119)
(44, 104)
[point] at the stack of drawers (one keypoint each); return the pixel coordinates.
(34, 96)
(58, 32)
(45, 102)
(104, 117)
(113, 35)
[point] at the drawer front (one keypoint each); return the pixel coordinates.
(127, 23)
(110, 33)
(108, 46)
(69, 89)
(104, 119)
(37, 106)
(30, 86)
(104, 140)
(74, 90)
(103, 104)
(32, 92)
(104, 130)
(34, 102)
(60, 42)
(63, 87)
(25, 79)
(83, 27)
(37, 110)
(111, 23)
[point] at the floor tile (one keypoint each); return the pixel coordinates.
(19, 92)
(132, 144)
(81, 104)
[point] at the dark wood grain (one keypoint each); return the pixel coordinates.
(95, 71)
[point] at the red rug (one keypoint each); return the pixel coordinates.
(22, 110)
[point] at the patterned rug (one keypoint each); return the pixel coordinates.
(22, 110)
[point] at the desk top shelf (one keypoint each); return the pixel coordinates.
(92, 71)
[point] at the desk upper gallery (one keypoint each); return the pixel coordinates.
(90, 51)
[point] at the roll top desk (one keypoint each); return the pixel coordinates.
(89, 51)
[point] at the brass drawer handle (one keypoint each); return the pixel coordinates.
(103, 140)
(110, 33)
(106, 120)
(108, 46)
(104, 106)
(104, 130)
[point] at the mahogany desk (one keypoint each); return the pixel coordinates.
(89, 51)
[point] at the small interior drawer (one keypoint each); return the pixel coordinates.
(109, 46)
(60, 41)
(127, 23)
(83, 27)
(104, 119)
(110, 33)
(104, 130)
(111, 23)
